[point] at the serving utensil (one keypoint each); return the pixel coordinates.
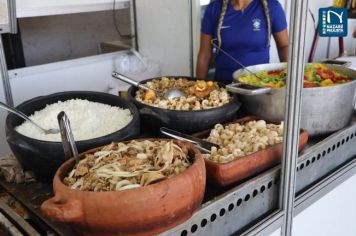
(201, 144)
(169, 94)
(70, 149)
(25, 117)
(234, 59)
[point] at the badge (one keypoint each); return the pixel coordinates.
(256, 23)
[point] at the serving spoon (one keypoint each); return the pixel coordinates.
(203, 145)
(169, 94)
(25, 117)
(232, 58)
(70, 149)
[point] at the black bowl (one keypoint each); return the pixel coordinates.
(44, 157)
(184, 121)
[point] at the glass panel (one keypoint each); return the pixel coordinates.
(4, 15)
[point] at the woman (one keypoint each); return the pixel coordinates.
(242, 28)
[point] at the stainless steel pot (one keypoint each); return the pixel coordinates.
(324, 109)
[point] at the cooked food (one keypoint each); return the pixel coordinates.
(200, 94)
(86, 119)
(237, 140)
(315, 75)
(121, 166)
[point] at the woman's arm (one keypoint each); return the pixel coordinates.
(281, 39)
(204, 56)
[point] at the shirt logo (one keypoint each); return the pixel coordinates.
(332, 22)
(225, 27)
(256, 23)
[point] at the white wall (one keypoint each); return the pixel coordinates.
(62, 37)
(163, 34)
(334, 214)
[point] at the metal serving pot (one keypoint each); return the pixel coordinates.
(324, 109)
(44, 157)
(184, 121)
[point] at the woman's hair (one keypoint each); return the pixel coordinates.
(225, 3)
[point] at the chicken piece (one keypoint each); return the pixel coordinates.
(149, 178)
(82, 169)
(149, 95)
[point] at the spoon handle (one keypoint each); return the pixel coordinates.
(131, 81)
(232, 58)
(201, 144)
(19, 113)
(70, 149)
(125, 79)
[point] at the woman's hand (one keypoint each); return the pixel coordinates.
(281, 39)
(204, 56)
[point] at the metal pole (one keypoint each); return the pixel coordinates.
(11, 4)
(293, 99)
(191, 38)
(5, 76)
(133, 24)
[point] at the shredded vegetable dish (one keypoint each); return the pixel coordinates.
(121, 166)
(315, 75)
(238, 140)
(200, 94)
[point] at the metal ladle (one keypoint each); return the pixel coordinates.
(169, 94)
(232, 58)
(70, 149)
(25, 117)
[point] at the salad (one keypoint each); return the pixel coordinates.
(315, 75)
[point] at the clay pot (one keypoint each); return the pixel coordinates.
(223, 174)
(248, 166)
(146, 210)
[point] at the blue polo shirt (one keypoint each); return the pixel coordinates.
(244, 34)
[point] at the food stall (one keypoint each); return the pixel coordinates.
(263, 192)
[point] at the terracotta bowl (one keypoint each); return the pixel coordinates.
(223, 174)
(146, 210)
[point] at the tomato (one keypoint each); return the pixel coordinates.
(309, 85)
(325, 74)
(339, 78)
(274, 72)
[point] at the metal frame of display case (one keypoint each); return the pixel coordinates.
(270, 200)
(10, 27)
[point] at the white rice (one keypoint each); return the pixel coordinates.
(88, 120)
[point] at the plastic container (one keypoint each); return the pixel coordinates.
(133, 65)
